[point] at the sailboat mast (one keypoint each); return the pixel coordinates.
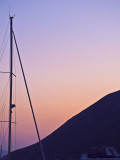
(10, 107)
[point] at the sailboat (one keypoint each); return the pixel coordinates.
(11, 105)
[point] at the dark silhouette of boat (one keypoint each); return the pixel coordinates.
(101, 153)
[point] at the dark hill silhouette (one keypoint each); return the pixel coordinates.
(98, 125)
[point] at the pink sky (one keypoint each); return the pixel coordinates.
(70, 51)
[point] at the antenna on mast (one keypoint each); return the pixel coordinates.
(9, 10)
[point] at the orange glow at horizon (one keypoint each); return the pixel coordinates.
(70, 51)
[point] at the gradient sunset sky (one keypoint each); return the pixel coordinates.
(70, 51)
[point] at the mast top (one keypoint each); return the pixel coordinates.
(11, 17)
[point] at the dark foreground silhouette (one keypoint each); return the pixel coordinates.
(96, 126)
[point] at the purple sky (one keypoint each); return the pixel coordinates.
(71, 55)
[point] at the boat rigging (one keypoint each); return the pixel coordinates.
(11, 105)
